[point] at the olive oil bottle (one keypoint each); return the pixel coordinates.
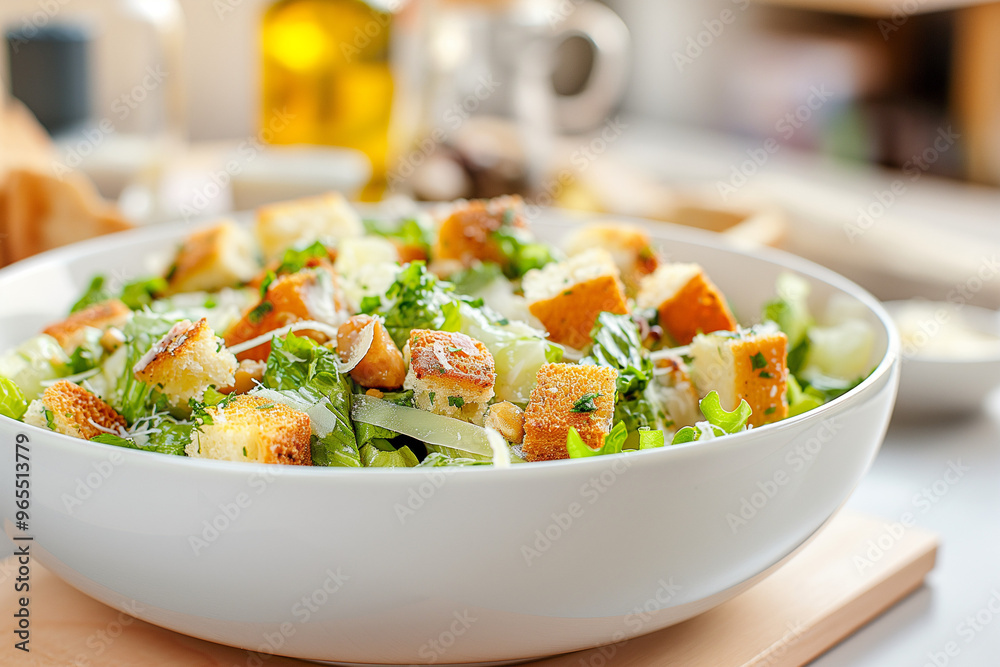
(327, 78)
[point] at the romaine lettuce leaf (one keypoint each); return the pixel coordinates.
(522, 252)
(300, 365)
(416, 300)
(719, 420)
(161, 434)
(613, 443)
(135, 294)
(416, 231)
(32, 362)
(381, 454)
(518, 350)
(132, 397)
(439, 460)
(617, 344)
(12, 401)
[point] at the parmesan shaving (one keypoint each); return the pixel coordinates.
(501, 452)
(361, 347)
(425, 426)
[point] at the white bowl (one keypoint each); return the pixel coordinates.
(953, 380)
(449, 565)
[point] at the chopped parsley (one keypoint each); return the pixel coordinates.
(265, 284)
(758, 361)
(771, 410)
(585, 403)
(764, 374)
(265, 407)
(256, 316)
(431, 396)
(244, 451)
(456, 401)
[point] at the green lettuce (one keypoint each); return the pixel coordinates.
(417, 231)
(133, 398)
(34, 361)
(163, 435)
(614, 443)
(12, 401)
(416, 300)
(518, 350)
(617, 345)
(719, 421)
(439, 460)
(135, 294)
(521, 251)
(300, 365)
(381, 454)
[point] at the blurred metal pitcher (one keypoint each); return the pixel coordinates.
(492, 94)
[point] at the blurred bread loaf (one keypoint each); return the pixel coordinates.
(38, 210)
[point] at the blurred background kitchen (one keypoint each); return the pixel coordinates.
(862, 134)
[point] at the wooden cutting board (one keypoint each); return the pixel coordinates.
(856, 569)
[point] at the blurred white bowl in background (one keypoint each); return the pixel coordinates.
(950, 356)
(279, 173)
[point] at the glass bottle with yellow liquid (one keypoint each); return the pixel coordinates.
(327, 78)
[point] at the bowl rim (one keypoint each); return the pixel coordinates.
(548, 216)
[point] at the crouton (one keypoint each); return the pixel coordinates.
(311, 294)
(213, 258)
(71, 333)
(507, 419)
(748, 364)
(688, 303)
(467, 235)
(382, 366)
(563, 397)
(629, 246)
(189, 359)
(70, 409)
(327, 218)
(677, 392)
(256, 430)
(450, 374)
(568, 296)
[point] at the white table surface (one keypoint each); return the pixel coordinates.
(966, 516)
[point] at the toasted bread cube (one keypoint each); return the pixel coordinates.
(688, 302)
(746, 365)
(189, 359)
(327, 218)
(550, 412)
(313, 294)
(70, 409)
(629, 246)
(382, 366)
(568, 296)
(677, 392)
(213, 258)
(450, 374)
(467, 234)
(72, 332)
(254, 429)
